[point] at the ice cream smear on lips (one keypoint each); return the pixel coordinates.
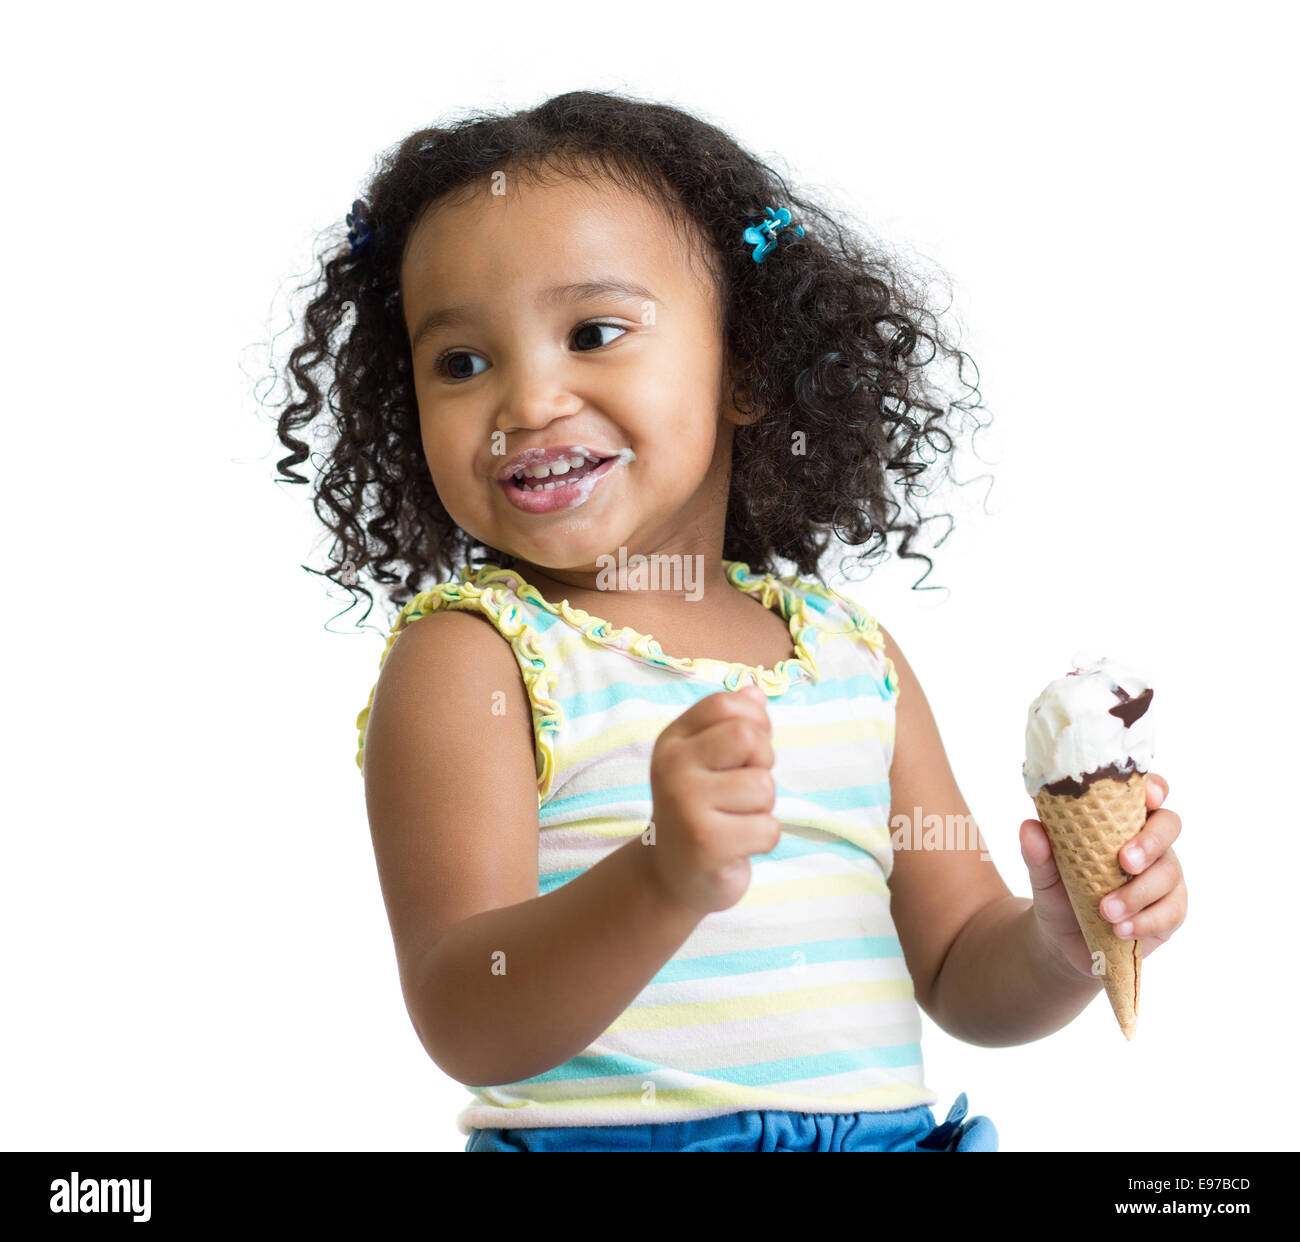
(541, 481)
(1092, 723)
(534, 473)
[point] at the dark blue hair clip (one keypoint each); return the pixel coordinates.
(763, 236)
(360, 226)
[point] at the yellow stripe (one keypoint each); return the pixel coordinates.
(625, 733)
(845, 884)
(733, 1009)
(606, 826)
(854, 728)
(869, 838)
(845, 732)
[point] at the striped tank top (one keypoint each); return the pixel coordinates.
(796, 998)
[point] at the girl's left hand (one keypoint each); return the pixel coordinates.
(1152, 905)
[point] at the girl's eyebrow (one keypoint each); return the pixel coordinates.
(581, 291)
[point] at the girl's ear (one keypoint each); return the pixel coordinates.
(741, 411)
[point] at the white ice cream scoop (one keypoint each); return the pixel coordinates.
(1094, 720)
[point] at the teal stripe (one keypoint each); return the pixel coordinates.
(791, 845)
(823, 1065)
(845, 798)
(592, 1067)
(680, 694)
(686, 693)
(779, 957)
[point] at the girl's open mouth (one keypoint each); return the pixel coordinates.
(561, 492)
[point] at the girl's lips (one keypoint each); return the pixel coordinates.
(564, 496)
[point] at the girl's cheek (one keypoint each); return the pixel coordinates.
(449, 485)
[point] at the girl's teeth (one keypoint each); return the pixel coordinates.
(531, 479)
(562, 466)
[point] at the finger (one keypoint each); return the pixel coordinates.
(740, 791)
(1157, 835)
(1052, 905)
(1160, 920)
(1160, 878)
(1051, 901)
(715, 708)
(733, 744)
(755, 832)
(1036, 850)
(1157, 790)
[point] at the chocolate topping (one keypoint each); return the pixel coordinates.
(1130, 709)
(1115, 772)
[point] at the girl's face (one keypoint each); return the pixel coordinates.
(516, 346)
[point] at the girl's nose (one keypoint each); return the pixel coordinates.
(536, 397)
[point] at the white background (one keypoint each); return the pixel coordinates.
(196, 950)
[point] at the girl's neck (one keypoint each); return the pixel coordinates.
(656, 583)
(718, 621)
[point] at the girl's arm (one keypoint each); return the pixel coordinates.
(500, 984)
(980, 966)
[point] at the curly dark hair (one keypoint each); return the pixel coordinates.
(830, 338)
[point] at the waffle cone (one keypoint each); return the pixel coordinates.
(1087, 833)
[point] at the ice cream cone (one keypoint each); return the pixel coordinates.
(1087, 832)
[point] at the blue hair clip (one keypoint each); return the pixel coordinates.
(360, 226)
(763, 236)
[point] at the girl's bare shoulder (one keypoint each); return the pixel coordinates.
(451, 782)
(452, 653)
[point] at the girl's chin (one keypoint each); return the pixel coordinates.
(565, 541)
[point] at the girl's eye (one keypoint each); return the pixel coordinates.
(595, 327)
(452, 356)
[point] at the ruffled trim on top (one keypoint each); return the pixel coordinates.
(489, 588)
(805, 630)
(863, 626)
(509, 619)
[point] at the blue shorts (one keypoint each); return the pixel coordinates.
(911, 1129)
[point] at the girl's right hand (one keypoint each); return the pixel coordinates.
(711, 780)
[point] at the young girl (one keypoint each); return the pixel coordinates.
(599, 372)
